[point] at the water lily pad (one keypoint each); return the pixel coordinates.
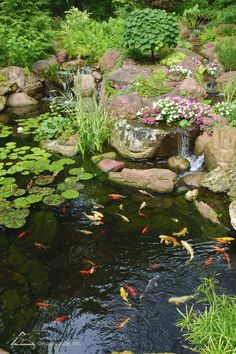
(41, 190)
(11, 145)
(76, 171)
(7, 180)
(70, 194)
(13, 219)
(44, 180)
(65, 186)
(25, 173)
(85, 176)
(8, 190)
(21, 202)
(53, 200)
(4, 204)
(34, 198)
(19, 192)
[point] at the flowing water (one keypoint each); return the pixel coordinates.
(92, 304)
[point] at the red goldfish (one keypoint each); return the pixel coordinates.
(88, 271)
(131, 290)
(116, 196)
(141, 214)
(23, 234)
(145, 230)
(42, 304)
(60, 319)
(209, 261)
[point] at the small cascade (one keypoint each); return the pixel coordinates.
(196, 163)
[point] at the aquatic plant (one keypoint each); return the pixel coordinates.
(213, 329)
(182, 110)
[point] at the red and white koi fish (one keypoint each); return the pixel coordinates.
(145, 230)
(88, 271)
(131, 290)
(121, 324)
(43, 304)
(60, 319)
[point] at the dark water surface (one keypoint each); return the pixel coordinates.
(92, 302)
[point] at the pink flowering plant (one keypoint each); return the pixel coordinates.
(185, 111)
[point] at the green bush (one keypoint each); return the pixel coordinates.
(150, 30)
(173, 59)
(227, 15)
(83, 37)
(227, 53)
(152, 86)
(208, 35)
(25, 32)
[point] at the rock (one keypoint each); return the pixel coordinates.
(107, 155)
(184, 30)
(109, 60)
(65, 147)
(136, 141)
(191, 196)
(200, 143)
(218, 180)
(124, 106)
(33, 86)
(97, 76)
(221, 148)
(3, 351)
(73, 65)
(87, 85)
(178, 163)
(61, 56)
(194, 179)
(189, 87)
(207, 212)
(4, 87)
(188, 62)
(209, 51)
(154, 179)
(124, 77)
(3, 101)
(225, 78)
(108, 165)
(232, 213)
(41, 65)
(20, 99)
(15, 77)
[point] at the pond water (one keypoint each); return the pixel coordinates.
(92, 304)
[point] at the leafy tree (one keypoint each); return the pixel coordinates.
(25, 31)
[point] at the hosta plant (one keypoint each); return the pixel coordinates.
(150, 30)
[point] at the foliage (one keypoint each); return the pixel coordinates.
(25, 32)
(152, 86)
(173, 59)
(213, 330)
(208, 35)
(149, 30)
(227, 54)
(51, 72)
(177, 109)
(227, 15)
(192, 17)
(83, 37)
(227, 110)
(226, 30)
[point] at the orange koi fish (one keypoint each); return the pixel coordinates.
(88, 271)
(219, 250)
(209, 261)
(131, 290)
(42, 304)
(60, 319)
(24, 233)
(145, 230)
(168, 240)
(121, 324)
(116, 196)
(224, 240)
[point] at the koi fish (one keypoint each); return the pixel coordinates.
(175, 219)
(124, 218)
(98, 214)
(181, 299)
(131, 290)
(168, 240)
(188, 248)
(146, 193)
(40, 246)
(124, 295)
(121, 324)
(97, 223)
(142, 206)
(86, 232)
(219, 250)
(116, 196)
(209, 261)
(88, 271)
(145, 230)
(97, 206)
(224, 240)
(121, 207)
(182, 232)
(42, 304)
(60, 319)
(154, 264)
(24, 233)
(227, 259)
(141, 214)
(94, 217)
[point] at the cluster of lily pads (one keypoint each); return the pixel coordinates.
(41, 171)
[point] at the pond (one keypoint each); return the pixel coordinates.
(44, 294)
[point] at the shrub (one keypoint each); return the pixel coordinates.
(83, 37)
(173, 59)
(208, 35)
(227, 15)
(152, 86)
(149, 30)
(227, 54)
(25, 32)
(192, 17)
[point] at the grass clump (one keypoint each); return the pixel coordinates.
(227, 53)
(173, 59)
(152, 86)
(212, 331)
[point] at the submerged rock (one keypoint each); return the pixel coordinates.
(154, 179)
(65, 147)
(108, 165)
(178, 163)
(232, 213)
(207, 212)
(109, 60)
(20, 99)
(190, 196)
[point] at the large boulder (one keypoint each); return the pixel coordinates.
(189, 87)
(154, 179)
(15, 77)
(221, 148)
(4, 87)
(33, 85)
(209, 51)
(200, 143)
(207, 212)
(232, 213)
(108, 165)
(3, 101)
(41, 65)
(63, 146)
(109, 60)
(136, 141)
(124, 106)
(20, 99)
(87, 85)
(194, 179)
(126, 76)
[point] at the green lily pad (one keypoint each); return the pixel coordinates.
(8, 190)
(76, 171)
(4, 204)
(19, 192)
(53, 200)
(44, 191)
(7, 180)
(85, 176)
(65, 186)
(70, 194)
(21, 202)
(34, 198)
(13, 219)
(44, 180)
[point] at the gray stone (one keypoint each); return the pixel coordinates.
(207, 212)
(154, 179)
(123, 77)
(179, 163)
(65, 147)
(232, 213)
(191, 196)
(33, 86)
(200, 143)
(87, 85)
(124, 106)
(20, 99)
(189, 87)
(194, 179)
(14, 76)
(225, 78)
(209, 51)
(41, 65)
